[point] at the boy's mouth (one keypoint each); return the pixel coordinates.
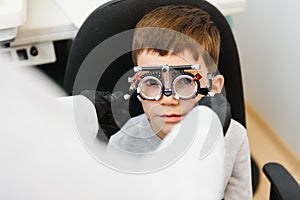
(171, 118)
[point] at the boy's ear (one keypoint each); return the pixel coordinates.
(217, 84)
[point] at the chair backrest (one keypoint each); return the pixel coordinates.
(102, 25)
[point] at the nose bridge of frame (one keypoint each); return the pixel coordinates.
(167, 80)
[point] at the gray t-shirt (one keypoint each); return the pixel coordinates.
(136, 136)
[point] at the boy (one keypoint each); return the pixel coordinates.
(166, 48)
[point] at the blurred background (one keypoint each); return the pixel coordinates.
(267, 33)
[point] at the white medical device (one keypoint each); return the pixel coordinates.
(49, 150)
(12, 15)
(32, 44)
(28, 28)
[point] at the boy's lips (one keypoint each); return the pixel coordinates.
(173, 118)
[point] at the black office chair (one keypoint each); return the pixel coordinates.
(88, 60)
(283, 185)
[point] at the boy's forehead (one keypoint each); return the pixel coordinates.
(153, 58)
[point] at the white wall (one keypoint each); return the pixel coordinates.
(268, 36)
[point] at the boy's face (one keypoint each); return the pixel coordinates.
(164, 113)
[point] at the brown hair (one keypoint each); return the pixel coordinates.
(165, 30)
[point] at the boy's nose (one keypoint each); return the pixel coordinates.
(168, 100)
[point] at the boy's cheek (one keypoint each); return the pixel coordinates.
(189, 104)
(151, 107)
(157, 124)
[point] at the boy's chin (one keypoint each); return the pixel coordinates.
(165, 131)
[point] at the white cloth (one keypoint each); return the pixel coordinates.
(237, 159)
(196, 172)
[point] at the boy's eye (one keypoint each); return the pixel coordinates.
(151, 82)
(183, 81)
(186, 81)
